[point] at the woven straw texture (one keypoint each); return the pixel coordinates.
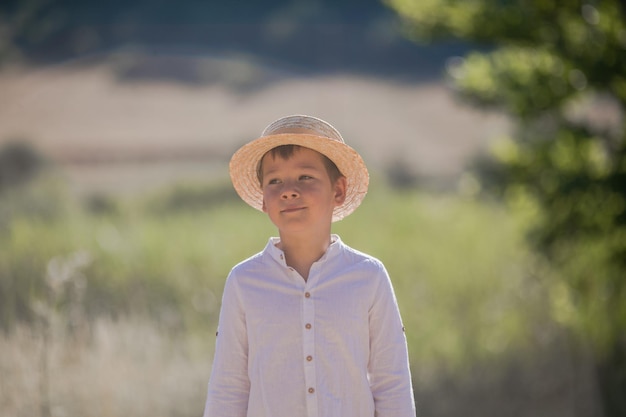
(325, 140)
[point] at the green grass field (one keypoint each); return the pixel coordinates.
(116, 300)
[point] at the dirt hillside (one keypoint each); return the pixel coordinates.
(122, 118)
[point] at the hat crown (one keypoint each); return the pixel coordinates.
(303, 124)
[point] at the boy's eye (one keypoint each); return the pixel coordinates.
(306, 177)
(274, 181)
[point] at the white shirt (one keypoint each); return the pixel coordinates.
(331, 346)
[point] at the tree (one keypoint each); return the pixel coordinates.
(558, 69)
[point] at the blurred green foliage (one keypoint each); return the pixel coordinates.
(559, 70)
(462, 302)
(149, 257)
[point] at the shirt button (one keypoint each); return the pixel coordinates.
(307, 294)
(309, 358)
(308, 325)
(311, 390)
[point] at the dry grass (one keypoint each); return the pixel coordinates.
(123, 368)
(132, 368)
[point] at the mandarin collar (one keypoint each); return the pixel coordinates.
(278, 254)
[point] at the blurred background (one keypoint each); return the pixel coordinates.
(494, 132)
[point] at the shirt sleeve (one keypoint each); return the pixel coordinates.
(389, 372)
(229, 385)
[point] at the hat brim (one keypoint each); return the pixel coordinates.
(243, 168)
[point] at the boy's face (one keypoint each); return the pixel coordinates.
(298, 193)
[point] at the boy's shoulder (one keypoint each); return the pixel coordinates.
(252, 262)
(355, 256)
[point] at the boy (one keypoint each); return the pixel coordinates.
(308, 327)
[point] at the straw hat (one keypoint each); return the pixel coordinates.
(309, 132)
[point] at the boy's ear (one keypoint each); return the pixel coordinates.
(340, 190)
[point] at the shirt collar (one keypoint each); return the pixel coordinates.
(279, 256)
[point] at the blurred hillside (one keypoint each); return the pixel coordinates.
(144, 92)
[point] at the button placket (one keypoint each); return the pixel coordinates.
(308, 347)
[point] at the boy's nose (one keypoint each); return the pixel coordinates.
(290, 194)
(290, 191)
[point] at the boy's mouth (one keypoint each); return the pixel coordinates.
(292, 209)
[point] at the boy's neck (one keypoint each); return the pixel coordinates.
(301, 252)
